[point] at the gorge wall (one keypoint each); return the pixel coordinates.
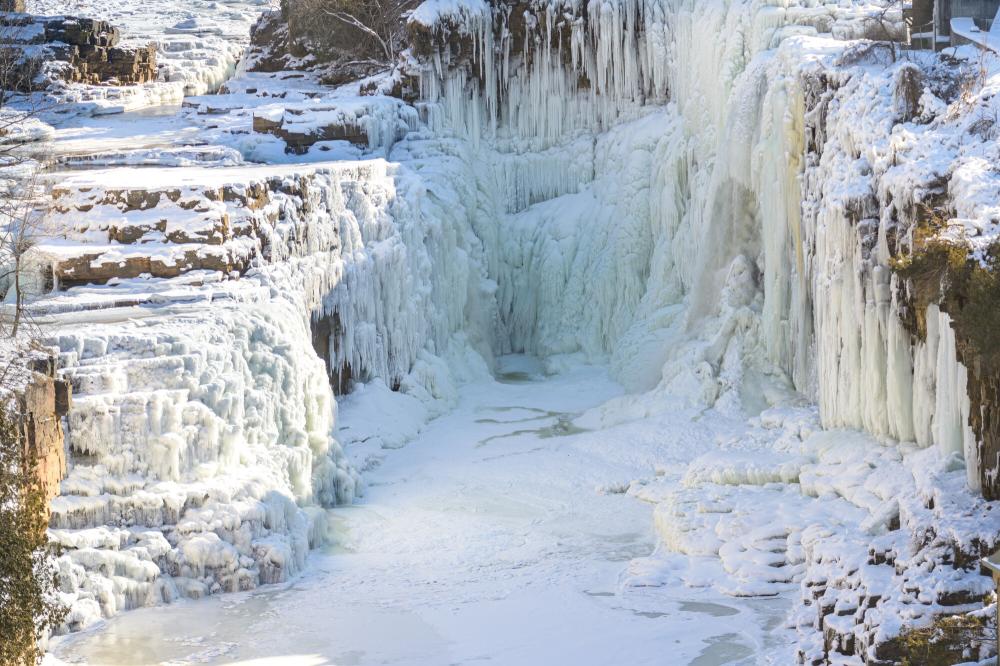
(778, 169)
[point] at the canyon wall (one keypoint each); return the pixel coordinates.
(771, 176)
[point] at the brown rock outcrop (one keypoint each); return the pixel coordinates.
(40, 407)
(301, 36)
(76, 50)
(299, 141)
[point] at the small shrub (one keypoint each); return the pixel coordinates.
(949, 640)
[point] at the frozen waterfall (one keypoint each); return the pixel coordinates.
(708, 198)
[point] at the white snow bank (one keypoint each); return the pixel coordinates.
(433, 12)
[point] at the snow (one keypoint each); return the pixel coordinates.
(480, 537)
(461, 12)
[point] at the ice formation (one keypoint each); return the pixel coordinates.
(698, 196)
(707, 196)
(203, 425)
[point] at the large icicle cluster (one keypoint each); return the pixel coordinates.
(738, 245)
(726, 181)
(539, 71)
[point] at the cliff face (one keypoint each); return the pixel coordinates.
(202, 432)
(41, 406)
(940, 273)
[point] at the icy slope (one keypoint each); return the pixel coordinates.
(201, 438)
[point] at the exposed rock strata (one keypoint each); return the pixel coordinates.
(73, 50)
(40, 405)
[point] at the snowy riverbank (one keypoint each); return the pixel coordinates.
(499, 531)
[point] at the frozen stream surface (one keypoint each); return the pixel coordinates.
(496, 536)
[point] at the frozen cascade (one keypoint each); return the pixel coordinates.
(202, 432)
(685, 199)
(673, 186)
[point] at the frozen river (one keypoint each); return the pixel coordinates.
(497, 536)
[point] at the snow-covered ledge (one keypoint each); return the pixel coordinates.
(966, 28)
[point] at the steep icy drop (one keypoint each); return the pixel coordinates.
(201, 437)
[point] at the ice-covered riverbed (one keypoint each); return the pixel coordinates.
(495, 536)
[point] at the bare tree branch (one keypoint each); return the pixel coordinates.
(356, 23)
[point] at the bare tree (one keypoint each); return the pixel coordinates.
(20, 223)
(377, 24)
(887, 23)
(20, 105)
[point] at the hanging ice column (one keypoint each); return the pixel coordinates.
(544, 92)
(807, 150)
(539, 71)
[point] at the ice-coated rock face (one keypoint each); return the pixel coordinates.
(201, 439)
(200, 436)
(755, 168)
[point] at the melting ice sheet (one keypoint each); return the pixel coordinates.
(510, 553)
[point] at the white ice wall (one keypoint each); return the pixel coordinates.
(202, 435)
(637, 261)
(830, 314)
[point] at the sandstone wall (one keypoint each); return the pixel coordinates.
(41, 406)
